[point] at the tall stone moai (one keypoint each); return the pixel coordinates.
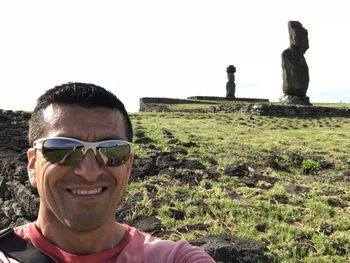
(230, 85)
(295, 69)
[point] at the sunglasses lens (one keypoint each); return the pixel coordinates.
(67, 151)
(113, 153)
(62, 151)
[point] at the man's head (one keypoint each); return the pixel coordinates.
(80, 177)
(75, 93)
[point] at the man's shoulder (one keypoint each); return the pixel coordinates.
(14, 246)
(160, 250)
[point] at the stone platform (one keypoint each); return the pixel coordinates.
(242, 105)
(227, 98)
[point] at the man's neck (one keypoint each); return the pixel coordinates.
(105, 237)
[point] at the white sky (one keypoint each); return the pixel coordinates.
(162, 48)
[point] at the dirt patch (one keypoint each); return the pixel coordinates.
(148, 224)
(229, 249)
(250, 175)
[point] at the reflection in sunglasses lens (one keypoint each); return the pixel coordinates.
(69, 152)
(63, 151)
(116, 155)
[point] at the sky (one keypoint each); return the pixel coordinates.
(163, 48)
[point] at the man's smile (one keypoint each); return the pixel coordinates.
(86, 192)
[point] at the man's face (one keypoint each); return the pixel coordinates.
(84, 196)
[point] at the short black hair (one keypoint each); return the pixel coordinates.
(75, 93)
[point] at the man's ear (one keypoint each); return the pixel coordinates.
(31, 166)
(129, 164)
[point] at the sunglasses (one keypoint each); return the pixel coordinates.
(69, 151)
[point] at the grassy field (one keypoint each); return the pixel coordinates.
(203, 106)
(281, 181)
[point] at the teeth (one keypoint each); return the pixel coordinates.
(87, 192)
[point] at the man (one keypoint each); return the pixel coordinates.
(80, 164)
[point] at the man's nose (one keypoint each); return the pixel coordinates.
(88, 167)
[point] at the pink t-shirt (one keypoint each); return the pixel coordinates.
(136, 246)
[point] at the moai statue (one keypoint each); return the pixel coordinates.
(295, 69)
(230, 85)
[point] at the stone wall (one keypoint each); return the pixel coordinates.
(268, 109)
(154, 104)
(208, 98)
(257, 108)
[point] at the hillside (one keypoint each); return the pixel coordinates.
(280, 185)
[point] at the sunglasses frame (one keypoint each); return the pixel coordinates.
(39, 143)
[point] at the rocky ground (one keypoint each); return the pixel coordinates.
(19, 201)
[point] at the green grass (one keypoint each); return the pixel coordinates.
(298, 204)
(308, 224)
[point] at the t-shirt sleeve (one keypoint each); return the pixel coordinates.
(186, 253)
(179, 252)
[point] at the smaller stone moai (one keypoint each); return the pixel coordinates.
(294, 66)
(230, 85)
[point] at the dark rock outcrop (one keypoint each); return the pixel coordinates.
(227, 249)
